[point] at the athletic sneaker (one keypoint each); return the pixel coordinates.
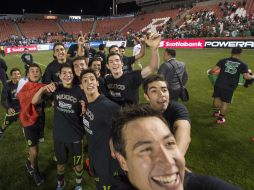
(38, 179)
(29, 168)
(216, 114)
(221, 120)
(78, 187)
(60, 185)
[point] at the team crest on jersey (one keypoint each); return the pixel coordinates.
(89, 114)
(231, 67)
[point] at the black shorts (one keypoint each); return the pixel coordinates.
(9, 119)
(35, 133)
(224, 94)
(64, 150)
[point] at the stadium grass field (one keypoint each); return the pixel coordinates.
(224, 151)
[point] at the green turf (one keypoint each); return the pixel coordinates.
(223, 151)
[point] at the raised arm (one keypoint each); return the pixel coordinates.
(153, 41)
(182, 135)
(37, 98)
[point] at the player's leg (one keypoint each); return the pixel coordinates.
(61, 159)
(217, 103)
(32, 137)
(226, 98)
(77, 154)
(8, 120)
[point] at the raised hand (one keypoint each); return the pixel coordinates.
(153, 40)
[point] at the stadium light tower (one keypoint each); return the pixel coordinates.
(23, 11)
(110, 11)
(81, 12)
(50, 11)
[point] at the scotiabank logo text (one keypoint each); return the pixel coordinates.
(183, 43)
(229, 44)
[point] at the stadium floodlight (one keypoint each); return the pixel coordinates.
(81, 11)
(50, 11)
(23, 11)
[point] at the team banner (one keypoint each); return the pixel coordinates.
(118, 43)
(20, 49)
(183, 43)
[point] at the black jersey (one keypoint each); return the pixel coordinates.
(67, 109)
(8, 97)
(52, 72)
(103, 62)
(97, 123)
(230, 69)
(3, 69)
(27, 59)
(92, 53)
(102, 86)
(175, 111)
(124, 90)
(73, 50)
(127, 62)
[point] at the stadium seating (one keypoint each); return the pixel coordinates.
(73, 27)
(111, 24)
(7, 29)
(35, 28)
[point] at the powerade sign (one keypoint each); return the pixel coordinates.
(247, 44)
(207, 43)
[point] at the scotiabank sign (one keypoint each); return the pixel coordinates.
(20, 49)
(247, 44)
(208, 43)
(183, 43)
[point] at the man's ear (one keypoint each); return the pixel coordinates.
(122, 161)
(146, 97)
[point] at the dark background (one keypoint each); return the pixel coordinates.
(89, 7)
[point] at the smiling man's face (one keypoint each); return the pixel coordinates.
(153, 160)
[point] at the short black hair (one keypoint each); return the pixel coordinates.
(89, 70)
(96, 58)
(101, 47)
(33, 65)
(77, 58)
(112, 54)
(236, 50)
(121, 47)
(113, 46)
(171, 52)
(58, 44)
(126, 115)
(150, 79)
(66, 65)
(14, 69)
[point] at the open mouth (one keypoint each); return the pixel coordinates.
(167, 180)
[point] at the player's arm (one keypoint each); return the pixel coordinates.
(214, 70)
(142, 51)
(182, 134)
(248, 76)
(185, 76)
(37, 98)
(153, 41)
(4, 98)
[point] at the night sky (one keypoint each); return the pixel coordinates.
(89, 7)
